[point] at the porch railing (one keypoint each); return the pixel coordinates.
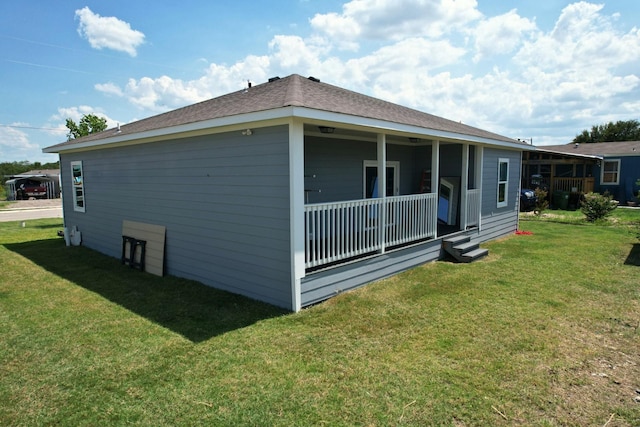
(581, 185)
(341, 230)
(473, 208)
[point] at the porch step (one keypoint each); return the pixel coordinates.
(466, 247)
(462, 249)
(455, 240)
(475, 254)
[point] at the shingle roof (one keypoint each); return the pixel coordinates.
(296, 91)
(606, 149)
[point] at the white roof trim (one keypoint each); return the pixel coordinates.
(588, 156)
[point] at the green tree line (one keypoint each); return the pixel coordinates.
(8, 169)
(622, 130)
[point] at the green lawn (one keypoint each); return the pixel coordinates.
(545, 331)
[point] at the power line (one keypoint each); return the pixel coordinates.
(31, 127)
(86, 51)
(51, 67)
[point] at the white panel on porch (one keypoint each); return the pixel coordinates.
(473, 207)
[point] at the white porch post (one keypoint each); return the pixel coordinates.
(479, 173)
(296, 209)
(382, 188)
(465, 186)
(435, 178)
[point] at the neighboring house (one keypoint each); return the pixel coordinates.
(613, 167)
(274, 192)
(44, 183)
(565, 176)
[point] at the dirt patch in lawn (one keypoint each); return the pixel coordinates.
(602, 371)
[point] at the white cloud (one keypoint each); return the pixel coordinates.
(58, 120)
(109, 89)
(15, 143)
(165, 93)
(582, 40)
(294, 52)
(161, 94)
(581, 71)
(108, 32)
(343, 30)
(577, 19)
(395, 19)
(501, 34)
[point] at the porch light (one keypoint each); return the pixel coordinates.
(326, 129)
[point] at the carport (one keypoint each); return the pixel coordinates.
(50, 182)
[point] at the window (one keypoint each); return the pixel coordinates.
(503, 182)
(610, 172)
(78, 186)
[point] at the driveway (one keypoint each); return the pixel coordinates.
(22, 210)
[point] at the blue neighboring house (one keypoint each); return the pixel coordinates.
(616, 168)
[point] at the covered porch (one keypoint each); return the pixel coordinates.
(431, 190)
(558, 173)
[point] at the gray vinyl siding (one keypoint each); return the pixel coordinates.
(325, 284)
(334, 168)
(497, 222)
(224, 200)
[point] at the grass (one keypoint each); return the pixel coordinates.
(545, 332)
(619, 216)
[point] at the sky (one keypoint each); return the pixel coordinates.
(541, 71)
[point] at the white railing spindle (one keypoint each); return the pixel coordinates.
(342, 230)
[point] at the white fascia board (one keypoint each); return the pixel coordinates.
(275, 117)
(605, 156)
(224, 124)
(587, 156)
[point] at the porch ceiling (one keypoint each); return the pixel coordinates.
(363, 134)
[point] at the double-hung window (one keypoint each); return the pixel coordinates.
(610, 172)
(77, 180)
(503, 182)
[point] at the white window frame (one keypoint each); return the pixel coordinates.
(501, 182)
(390, 164)
(77, 186)
(617, 172)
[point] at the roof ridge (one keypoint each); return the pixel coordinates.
(294, 96)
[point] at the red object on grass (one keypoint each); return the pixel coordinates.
(523, 233)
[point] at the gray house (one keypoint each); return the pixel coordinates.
(290, 191)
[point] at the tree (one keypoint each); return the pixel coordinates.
(88, 124)
(8, 169)
(622, 130)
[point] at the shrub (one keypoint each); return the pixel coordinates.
(541, 201)
(597, 206)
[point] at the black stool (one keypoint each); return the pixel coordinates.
(133, 244)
